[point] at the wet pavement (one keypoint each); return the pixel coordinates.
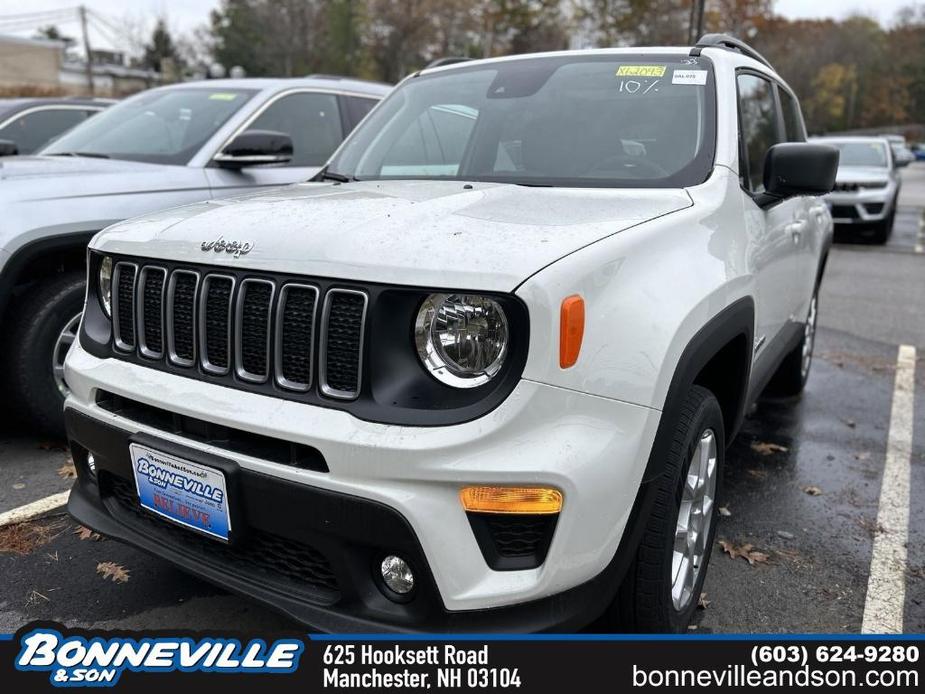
(801, 486)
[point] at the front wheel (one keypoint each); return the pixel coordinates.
(45, 326)
(662, 586)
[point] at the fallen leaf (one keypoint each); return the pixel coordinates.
(746, 551)
(757, 473)
(724, 511)
(109, 569)
(67, 471)
(703, 603)
(766, 448)
(812, 490)
(83, 533)
(52, 446)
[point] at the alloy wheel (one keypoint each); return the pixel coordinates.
(695, 518)
(65, 339)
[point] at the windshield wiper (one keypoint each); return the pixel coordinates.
(94, 155)
(325, 175)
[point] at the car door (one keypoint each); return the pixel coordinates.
(770, 229)
(810, 226)
(311, 118)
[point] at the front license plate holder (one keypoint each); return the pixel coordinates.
(181, 488)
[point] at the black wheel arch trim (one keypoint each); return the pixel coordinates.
(22, 256)
(735, 321)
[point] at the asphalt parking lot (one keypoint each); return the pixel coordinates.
(802, 488)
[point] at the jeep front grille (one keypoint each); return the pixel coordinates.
(248, 329)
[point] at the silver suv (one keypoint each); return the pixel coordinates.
(867, 185)
(164, 147)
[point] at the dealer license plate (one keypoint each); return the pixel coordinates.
(181, 491)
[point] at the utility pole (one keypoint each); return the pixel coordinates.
(82, 11)
(699, 33)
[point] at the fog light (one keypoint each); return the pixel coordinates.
(397, 575)
(91, 463)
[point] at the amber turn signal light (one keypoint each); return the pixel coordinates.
(535, 500)
(571, 330)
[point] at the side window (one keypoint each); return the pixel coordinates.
(33, 130)
(793, 122)
(312, 120)
(357, 108)
(758, 125)
(432, 145)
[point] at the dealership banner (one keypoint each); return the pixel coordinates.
(43, 656)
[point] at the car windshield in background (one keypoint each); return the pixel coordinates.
(861, 153)
(164, 126)
(616, 121)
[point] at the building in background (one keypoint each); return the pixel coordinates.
(42, 67)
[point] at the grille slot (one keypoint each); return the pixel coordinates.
(150, 312)
(252, 330)
(340, 362)
(295, 336)
(181, 317)
(215, 323)
(123, 312)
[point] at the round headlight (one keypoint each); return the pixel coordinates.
(105, 285)
(462, 339)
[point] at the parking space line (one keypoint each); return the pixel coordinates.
(920, 237)
(35, 509)
(886, 586)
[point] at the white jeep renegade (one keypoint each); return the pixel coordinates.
(481, 373)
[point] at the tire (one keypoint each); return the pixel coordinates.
(884, 229)
(36, 341)
(790, 378)
(650, 599)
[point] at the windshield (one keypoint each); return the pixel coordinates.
(861, 153)
(165, 126)
(576, 120)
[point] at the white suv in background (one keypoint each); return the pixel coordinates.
(482, 374)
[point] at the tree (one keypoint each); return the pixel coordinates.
(161, 54)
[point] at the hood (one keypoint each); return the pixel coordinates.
(47, 177)
(857, 174)
(441, 234)
(20, 167)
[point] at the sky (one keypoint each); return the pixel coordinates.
(134, 18)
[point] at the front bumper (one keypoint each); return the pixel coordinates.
(868, 206)
(388, 488)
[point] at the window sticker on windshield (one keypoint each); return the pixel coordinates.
(641, 71)
(223, 96)
(689, 77)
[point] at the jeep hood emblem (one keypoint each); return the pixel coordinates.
(236, 248)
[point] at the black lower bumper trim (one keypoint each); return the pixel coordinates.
(351, 534)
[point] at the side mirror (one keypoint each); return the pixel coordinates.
(256, 148)
(8, 148)
(904, 158)
(798, 168)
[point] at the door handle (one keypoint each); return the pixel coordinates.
(796, 230)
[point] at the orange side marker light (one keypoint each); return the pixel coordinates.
(571, 330)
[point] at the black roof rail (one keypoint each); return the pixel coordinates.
(729, 42)
(449, 60)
